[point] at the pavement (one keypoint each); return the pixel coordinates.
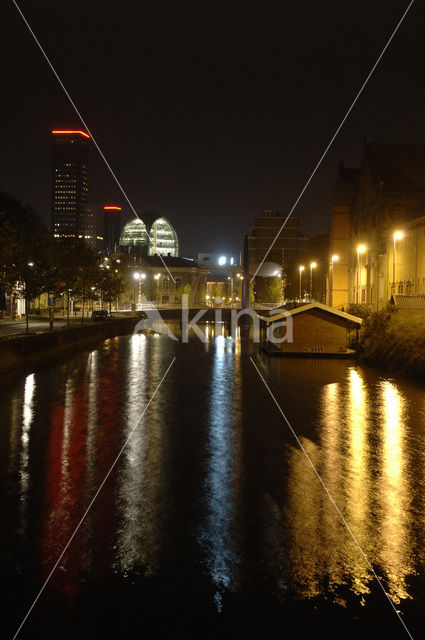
(10, 327)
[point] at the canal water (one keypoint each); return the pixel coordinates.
(212, 524)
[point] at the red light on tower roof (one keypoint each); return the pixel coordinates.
(70, 131)
(112, 208)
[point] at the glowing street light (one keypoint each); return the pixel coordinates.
(398, 235)
(334, 258)
(139, 276)
(361, 248)
(157, 277)
(313, 265)
(301, 269)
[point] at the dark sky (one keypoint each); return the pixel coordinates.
(208, 111)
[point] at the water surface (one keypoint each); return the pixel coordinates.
(212, 523)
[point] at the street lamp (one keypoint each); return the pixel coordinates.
(397, 236)
(231, 286)
(67, 308)
(334, 258)
(360, 249)
(157, 277)
(313, 265)
(301, 268)
(139, 276)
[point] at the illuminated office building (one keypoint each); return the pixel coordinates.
(70, 183)
(111, 227)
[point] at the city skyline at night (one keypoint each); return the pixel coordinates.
(212, 320)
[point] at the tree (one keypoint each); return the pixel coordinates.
(86, 274)
(110, 283)
(26, 252)
(267, 289)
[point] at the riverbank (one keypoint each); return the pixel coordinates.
(395, 341)
(23, 350)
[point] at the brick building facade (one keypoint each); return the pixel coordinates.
(386, 195)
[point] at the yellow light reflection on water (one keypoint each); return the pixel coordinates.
(394, 555)
(358, 484)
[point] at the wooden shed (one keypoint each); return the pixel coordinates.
(317, 330)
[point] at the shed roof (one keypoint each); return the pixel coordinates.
(314, 305)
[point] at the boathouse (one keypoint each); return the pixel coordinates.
(312, 329)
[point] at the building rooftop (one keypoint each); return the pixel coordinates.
(170, 261)
(397, 166)
(314, 305)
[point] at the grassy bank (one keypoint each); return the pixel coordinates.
(395, 341)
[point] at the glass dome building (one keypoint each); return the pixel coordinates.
(134, 234)
(163, 239)
(153, 236)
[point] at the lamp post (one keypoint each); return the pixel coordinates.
(240, 278)
(230, 278)
(334, 258)
(139, 276)
(397, 236)
(157, 277)
(67, 307)
(301, 268)
(360, 249)
(313, 265)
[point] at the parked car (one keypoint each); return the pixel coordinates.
(100, 315)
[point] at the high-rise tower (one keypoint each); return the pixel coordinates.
(70, 182)
(111, 227)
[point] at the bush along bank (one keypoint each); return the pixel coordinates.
(395, 341)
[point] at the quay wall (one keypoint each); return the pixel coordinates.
(34, 348)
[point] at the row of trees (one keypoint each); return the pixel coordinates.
(33, 262)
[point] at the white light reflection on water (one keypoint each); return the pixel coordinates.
(27, 418)
(92, 414)
(132, 546)
(216, 535)
(67, 419)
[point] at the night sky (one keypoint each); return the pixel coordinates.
(208, 112)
